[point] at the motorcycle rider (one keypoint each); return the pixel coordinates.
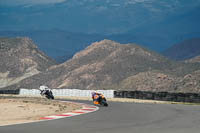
(96, 96)
(44, 90)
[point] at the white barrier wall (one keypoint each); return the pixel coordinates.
(30, 92)
(68, 92)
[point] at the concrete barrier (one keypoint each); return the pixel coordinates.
(29, 92)
(68, 92)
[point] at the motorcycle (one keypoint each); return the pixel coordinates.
(47, 93)
(101, 101)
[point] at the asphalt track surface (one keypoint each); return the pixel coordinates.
(121, 118)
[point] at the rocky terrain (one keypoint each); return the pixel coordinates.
(110, 65)
(20, 59)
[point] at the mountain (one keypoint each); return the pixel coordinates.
(195, 59)
(156, 25)
(110, 65)
(158, 31)
(93, 16)
(162, 34)
(60, 45)
(20, 59)
(184, 50)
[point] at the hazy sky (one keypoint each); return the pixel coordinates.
(27, 2)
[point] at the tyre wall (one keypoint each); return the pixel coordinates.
(15, 92)
(161, 96)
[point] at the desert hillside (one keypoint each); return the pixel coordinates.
(111, 65)
(20, 59)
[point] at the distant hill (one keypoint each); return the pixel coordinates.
(108, 16)
(20, 59)
(110, 65)
(162, 34)
(153, 24)
(193, 60)
(57, 44)
(184, 50)
(61, 45)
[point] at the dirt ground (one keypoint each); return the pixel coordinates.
(15, 110)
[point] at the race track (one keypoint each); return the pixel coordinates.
(121, 118)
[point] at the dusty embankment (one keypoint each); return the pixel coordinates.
(15, 110)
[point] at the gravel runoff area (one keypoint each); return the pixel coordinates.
(14, 110)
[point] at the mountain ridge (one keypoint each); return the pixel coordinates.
(20, 59)
(185, 50)
(111, 65)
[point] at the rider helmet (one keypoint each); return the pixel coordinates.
(93, 93)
